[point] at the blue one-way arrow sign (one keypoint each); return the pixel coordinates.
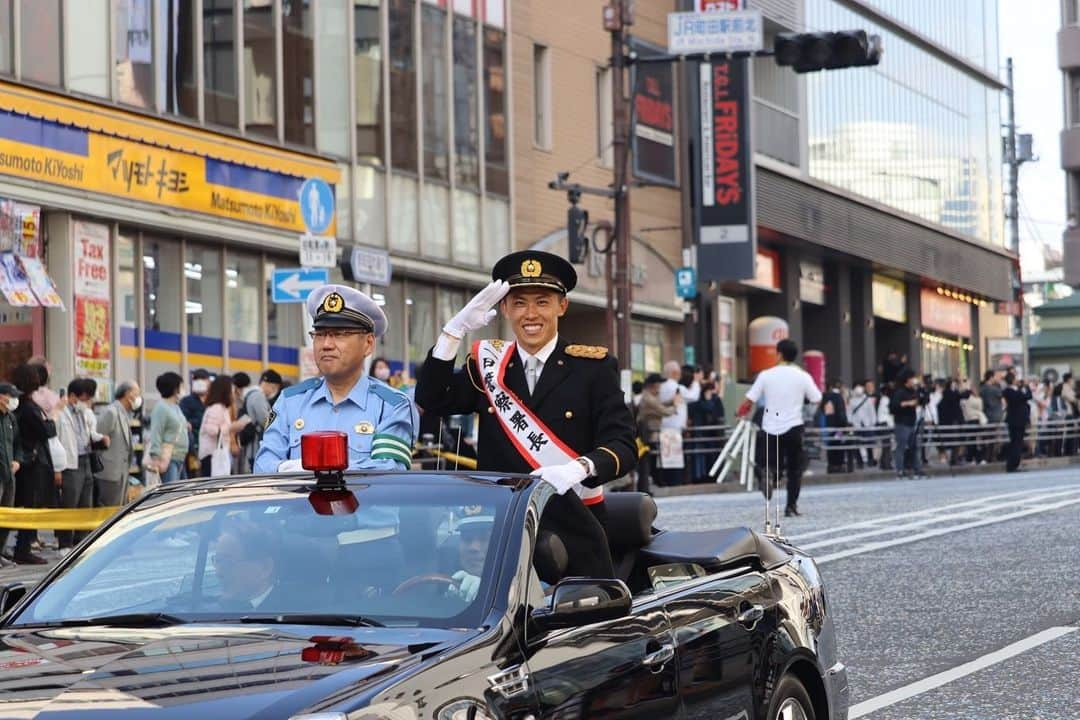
(293, 285)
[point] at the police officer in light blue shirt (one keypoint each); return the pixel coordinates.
(378, 419)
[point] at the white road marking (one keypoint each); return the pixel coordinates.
(935, 681)
(874, 522)
(870, 547)
(1031, 500)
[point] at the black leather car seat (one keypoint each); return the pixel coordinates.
(630, 517)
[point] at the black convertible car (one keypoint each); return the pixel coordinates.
(411, 596)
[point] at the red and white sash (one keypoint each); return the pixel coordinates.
(533, 439)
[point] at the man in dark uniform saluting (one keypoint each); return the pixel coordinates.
(546, 407)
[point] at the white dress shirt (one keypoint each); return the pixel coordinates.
(541, 356)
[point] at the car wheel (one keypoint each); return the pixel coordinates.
(790, 701)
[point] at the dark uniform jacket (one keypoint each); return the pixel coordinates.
(578, 398)
(10, 448)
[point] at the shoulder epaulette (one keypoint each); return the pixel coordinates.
(589, 352)
(388, 394)
(301, 388)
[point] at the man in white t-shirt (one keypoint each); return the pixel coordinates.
(782, 391)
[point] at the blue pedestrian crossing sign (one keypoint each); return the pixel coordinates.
(293, 285)
(686, 282)
(316, 205)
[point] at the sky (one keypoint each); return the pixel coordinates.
(1029, 35)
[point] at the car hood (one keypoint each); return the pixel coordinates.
(215, 670)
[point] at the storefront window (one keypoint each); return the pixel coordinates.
(260, 69)
(162, 324)
(39, 41)
(243, 284)
(496, 177)
(219, 63)
(86, 46)
(392, 344)
(403, 81)
(133, 52)
(466, 120)
(203, 308)
(297, 25)
(436, 103)
(420, 308)
(6, 48)
(181, 85)
(332, 108)
(368, 60)
(126, 309)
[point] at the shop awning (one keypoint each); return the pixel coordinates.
(132, 126)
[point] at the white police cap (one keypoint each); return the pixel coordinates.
(338, 306)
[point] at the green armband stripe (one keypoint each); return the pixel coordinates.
(391, 441)
(388, 454)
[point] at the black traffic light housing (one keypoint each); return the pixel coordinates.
(577, 221)
(810, 52)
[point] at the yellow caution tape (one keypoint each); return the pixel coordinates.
(458, 460)
(54, 518)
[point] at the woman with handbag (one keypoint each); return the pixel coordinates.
(217, 433)
(36, 484)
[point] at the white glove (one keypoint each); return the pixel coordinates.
(562, 477)
(287, 466)
(479, 311)
(468, 585)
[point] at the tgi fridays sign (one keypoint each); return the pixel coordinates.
(725, 227)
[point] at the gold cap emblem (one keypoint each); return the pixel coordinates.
(333, 303)
(531, 268)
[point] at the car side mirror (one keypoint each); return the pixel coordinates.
(583, 601)
(10, 595)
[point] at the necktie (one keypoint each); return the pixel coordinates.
(530, 373)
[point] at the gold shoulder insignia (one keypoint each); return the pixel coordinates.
(589, 352)
(270, 420)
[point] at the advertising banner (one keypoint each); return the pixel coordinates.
(93, 348)
(20, 228)
(41, 283)
(653, 134)
(726, 231)
(13, 282)
(67, 154)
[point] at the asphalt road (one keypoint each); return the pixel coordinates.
(954, 597)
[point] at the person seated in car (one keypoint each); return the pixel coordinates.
(245, 560)
(474, 533)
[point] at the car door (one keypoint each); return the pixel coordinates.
(721, 627)
(623, 668)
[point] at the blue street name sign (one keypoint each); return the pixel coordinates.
(293, 285)
(686, 283)
(316, 205)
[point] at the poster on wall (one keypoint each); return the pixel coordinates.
(93, 347)
(40, 282)
(20, 228)
(13, 282)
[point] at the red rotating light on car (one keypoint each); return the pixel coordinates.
(325, 451)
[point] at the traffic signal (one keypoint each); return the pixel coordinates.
(810, 52)
(577, 220)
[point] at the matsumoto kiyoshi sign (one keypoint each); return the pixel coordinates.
(65, 154)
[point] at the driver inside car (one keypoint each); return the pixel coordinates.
(474, 534)
(245, 561)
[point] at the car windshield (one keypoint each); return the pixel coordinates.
(413, 553)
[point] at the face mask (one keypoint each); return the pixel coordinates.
(13, 404)
(199, 386)
(383, 373)
(137, 402)
(81, 405)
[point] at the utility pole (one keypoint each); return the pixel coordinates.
(1014, 158)
(617, 16)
